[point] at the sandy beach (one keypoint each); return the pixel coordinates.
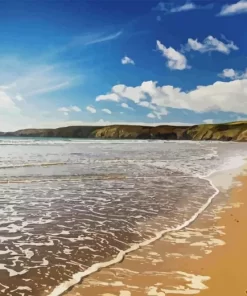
(206, 258)
(150, 209)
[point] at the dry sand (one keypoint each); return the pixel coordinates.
(208, 258)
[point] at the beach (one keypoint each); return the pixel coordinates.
(208, 257)
(112, 217)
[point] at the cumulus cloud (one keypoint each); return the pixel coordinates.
(220, 96)
(126, 106)
(126, 60)
(209, 44)
(158, 114)
(69, 109)
(108, 97)
(106, 111)
(151, 115)
(161, 112)
(147, 104)
(120, 91)
(236, 8)
(91, 109)
(233, 74)
(63, 109)
(175, 59)
(75, 108)
(228, 73)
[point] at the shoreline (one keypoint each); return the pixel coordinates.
(114, 288)
(78, 277)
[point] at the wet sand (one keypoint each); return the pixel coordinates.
(207, 258)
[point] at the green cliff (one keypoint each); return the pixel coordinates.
(233, 131)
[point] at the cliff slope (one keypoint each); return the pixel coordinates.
(233, 131)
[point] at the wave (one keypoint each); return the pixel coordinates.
(68, 141)
(78, 277)
(12, 166)
(39, 141)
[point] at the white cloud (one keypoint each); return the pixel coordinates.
(66, 113)
(151, 115)
(170, 8)
(69, 109)
(91, 109)
(228, 73)
(63, 109)
(185, 7)
(107, 111)
(31, 79)
(147, 104)
(11, 116)
(6, 103)
(49, 89)
(210, 44)
(126, 60)
(103, 38)
(92, 38)
(108, 97)
(19, 98)
(176, 60)
(158, 114)
(126, 106)
(75, 108)
(221, 96)
(236, 8)
(161, 112)
(87, 39)
(120, 91)
(161, 6)
(233, 74)
(128, 92)
(208, 121)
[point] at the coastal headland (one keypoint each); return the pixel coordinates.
(233, 131)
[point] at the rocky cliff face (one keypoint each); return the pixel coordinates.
(62, 132)
(234, 131)
(139, 132)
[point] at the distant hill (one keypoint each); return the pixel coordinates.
(233, 131)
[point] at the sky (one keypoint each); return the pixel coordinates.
(100, 62)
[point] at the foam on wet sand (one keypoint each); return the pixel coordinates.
(71, 209)
(203, 258)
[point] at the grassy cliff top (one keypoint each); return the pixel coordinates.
(232, 131)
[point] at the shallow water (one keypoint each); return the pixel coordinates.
(67, 204)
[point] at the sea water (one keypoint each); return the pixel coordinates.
(70, 206)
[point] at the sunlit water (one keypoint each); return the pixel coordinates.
(67, 204)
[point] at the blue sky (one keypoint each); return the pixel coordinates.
(102, 62)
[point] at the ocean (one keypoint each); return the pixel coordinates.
(69, 207)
